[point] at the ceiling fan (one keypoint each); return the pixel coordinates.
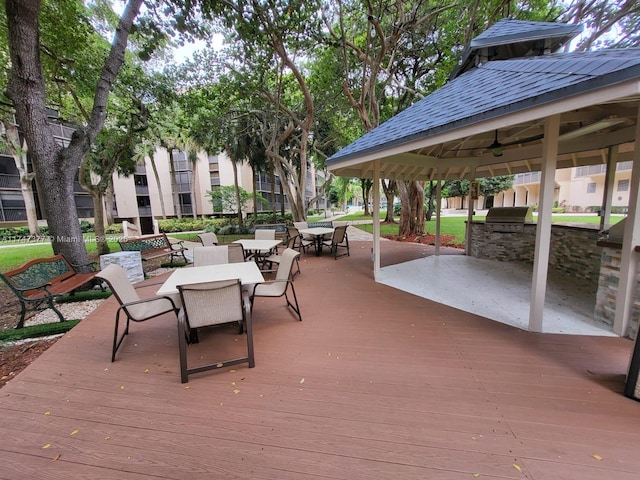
(496, 146)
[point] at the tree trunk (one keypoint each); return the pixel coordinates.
(281, 200)
(26, 186)
(412, 208)
(192, 191)
(177, 208)
(417, 197)
(255, 192)
(366, 188)
(98, 226)
(389, 193)
(273, 191)
(109, 201)
(18, 150)
(234, 165)
(156, 176)
(54, 166)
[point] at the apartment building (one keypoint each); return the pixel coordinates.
(180, 189)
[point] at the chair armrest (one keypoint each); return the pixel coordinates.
(179, 244)
(147, 300)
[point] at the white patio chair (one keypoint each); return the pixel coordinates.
(276, 258)
(281, 284)
(301, 244)
(210, 255)
(339, 240)
(208, 304)
(235, 252)
(131, 305)
(265, 234)
(208, 238)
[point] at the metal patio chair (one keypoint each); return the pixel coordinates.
(208, 304)
(282, 283)
(339, 240)
(131, 305)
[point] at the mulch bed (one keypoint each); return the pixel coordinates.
(426, 239)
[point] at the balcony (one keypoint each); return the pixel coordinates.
(9, 181)
(525, 178)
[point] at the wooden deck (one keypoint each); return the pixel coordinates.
(374, 384)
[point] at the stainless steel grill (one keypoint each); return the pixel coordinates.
(508, 219)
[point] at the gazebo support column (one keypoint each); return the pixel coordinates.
(470, 208)
(438, 209)
(543, 231)
(376, 219)
(626, 285)
(609, 180)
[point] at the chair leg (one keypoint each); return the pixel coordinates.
(23, 313)
(182, 347)
(296, 307)
(250, 355)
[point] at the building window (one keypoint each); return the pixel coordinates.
(591, 187)
(623, 185)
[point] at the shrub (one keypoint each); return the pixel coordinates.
(86, 226)
(263, 218)
(116, 228)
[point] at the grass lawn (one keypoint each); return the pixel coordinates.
(456, 225)
(13, 255)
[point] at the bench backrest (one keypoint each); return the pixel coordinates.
(39, 272)
(141, 244)
(321, 224)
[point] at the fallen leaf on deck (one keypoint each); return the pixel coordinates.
(517, 467)
(476, 475)
(236, 391)
(302, 381)
(55, 458)
(75, 432)
(46, 446)
(596, 456)
(47, 413)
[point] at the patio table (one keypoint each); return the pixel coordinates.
(248, 273)
(258, 249)
(318, 234)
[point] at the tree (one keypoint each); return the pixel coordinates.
(491, 186)
(271, 38)
(601, 17)
(55, 165)
(18, 149)
(230, 198)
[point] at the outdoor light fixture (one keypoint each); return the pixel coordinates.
(594, 127)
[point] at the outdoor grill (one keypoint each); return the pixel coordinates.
(507, 219)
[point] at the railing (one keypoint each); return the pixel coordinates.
(529, 177)
(11, 215)
(589, 170)
(9, 181)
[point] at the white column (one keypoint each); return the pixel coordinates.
(438, 208)
(376, 219)
(626, 287)
(470, 207)
(543, 230)
(609, 180)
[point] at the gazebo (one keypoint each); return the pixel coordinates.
(516, 104)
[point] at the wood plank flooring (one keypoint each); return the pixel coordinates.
(374, 383)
